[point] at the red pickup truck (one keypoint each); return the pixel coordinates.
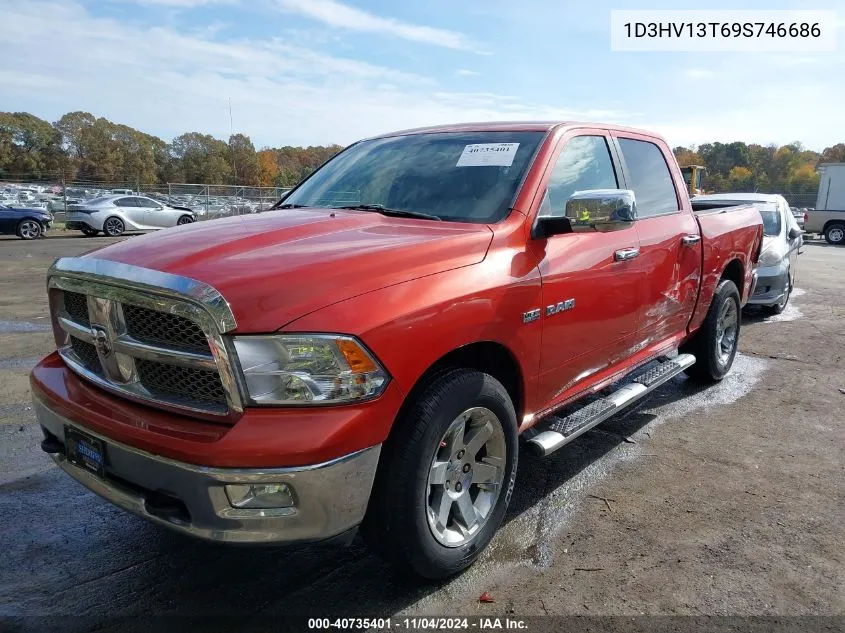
(368, 354)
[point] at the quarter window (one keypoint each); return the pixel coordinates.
(649, 178)
(583, 164)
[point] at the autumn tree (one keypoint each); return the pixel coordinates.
(244, 160)
(268, 168)
(29, 145)
(202, 158)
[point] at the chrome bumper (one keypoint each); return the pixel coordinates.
(330, 498)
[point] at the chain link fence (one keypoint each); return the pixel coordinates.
(207, 201)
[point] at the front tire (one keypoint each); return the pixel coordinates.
(714, 345)
(113, 226)
(780, 306)
(835, 234)
(29, 230)
(185, 219)
(447, 475)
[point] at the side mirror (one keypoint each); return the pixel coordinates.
(599, 210)
(794, 233)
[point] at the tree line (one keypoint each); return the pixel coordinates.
(737, 166)
(80, 146)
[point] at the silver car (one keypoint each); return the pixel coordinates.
(782, 238)
(115, 214)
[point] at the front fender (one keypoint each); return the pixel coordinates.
(410, 326)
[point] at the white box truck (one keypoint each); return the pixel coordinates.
(828, 218)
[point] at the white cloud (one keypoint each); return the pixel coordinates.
(699, 73)
(463, 72)
(167, 82)
(182, 4)
(340, 15)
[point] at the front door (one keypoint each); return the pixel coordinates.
(591, 294)
(154, 213)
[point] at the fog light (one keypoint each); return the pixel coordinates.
(260, 495)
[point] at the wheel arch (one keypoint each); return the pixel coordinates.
(490, 357)
(735, 272)
(830, 223)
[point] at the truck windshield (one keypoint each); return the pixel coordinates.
(457, 176)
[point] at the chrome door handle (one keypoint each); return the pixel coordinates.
(625, 254)
(689, 240)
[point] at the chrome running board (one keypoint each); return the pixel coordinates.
(561, 431)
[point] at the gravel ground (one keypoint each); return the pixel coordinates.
(725, 501)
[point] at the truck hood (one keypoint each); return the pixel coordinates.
(277, 266)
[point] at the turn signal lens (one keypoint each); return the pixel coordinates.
(357, 359)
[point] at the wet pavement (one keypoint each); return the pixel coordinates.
(720, 501)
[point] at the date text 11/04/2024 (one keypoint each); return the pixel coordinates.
(420, 623)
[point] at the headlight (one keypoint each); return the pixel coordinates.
(769, 257)
(302, 369)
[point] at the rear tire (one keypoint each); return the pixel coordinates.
(835, 234)
(29, 230)
(89, 232)
(446, 476)
(714, 345)
(113, 226)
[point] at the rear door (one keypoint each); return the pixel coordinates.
(591, 295)
(670, 242)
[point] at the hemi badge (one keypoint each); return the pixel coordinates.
(531, 315)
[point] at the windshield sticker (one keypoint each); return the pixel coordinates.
(488, 155)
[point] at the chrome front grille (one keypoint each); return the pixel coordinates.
(181, 384)
(160, 328)
(87, 354)
(76, 306)
(150, 344)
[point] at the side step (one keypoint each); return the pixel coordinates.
(561, 431)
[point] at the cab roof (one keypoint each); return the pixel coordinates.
(514, 126)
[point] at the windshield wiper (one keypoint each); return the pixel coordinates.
(288, 206)
(399, 213)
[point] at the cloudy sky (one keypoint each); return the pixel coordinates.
(302, 72)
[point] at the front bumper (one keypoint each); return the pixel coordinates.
(772, 283)
(330, 498)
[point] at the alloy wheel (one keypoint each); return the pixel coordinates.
(466, 475)
(30, 229)
(727, 329)
(113, 227)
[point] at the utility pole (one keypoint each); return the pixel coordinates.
(231, 134)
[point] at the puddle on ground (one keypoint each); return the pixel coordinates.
(19, 363)
(530, 539)
(13, 327)
(790, 313)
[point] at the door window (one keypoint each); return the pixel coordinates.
(147, 203)
(583, 164)
(649, 178)
(126, 202)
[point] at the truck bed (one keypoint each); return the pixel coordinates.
(726, 231)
